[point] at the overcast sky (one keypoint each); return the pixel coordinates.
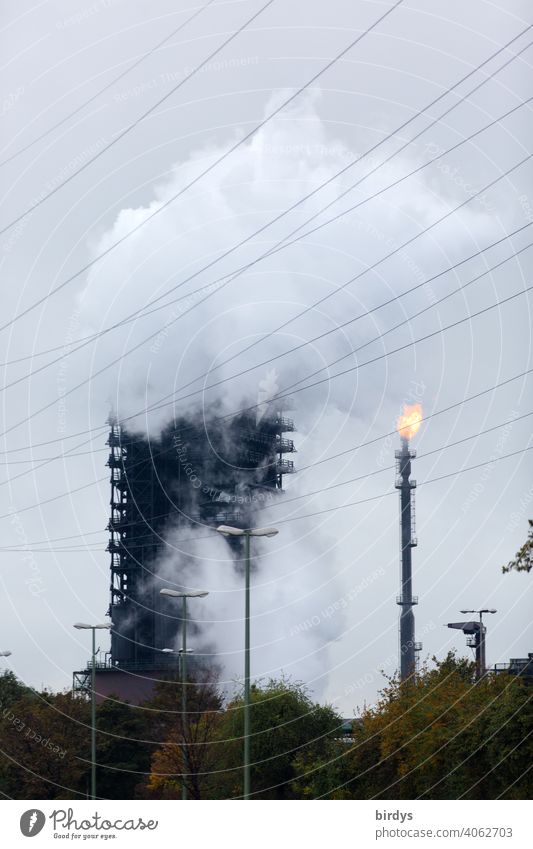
(324, 593)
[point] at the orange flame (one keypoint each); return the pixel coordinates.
(410, 421)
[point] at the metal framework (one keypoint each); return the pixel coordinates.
(194, 474)
(408, 647)
(518, 666)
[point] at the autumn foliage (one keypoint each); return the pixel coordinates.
(442, 736)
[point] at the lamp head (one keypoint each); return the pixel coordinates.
(83, 626)
(264, 532)
(228, 531)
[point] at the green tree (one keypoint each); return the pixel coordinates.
(442, 736)
(122, 754)
(285, 725)
(325, 775)
(44, 740)
(11, 689)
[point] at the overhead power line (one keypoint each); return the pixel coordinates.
(283, 243)
(419, 457)
(350, 450)
(343, 325)
(280, 245)
(135, 123)
(393, 252)
(164, 206)
(287, 240)
(353, 279)
(283, 501)
(102, 428)
(426, 418)
(181, 83)
(71, 454)
(345, 505)
(393, 491)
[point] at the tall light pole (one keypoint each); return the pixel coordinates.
(183, 652)
(226, 530)
(81, 626)
(481, 659)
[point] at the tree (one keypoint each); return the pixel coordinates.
(11, 689)
(325, 776)
(122, 756)
(285, 724)
(523, 559)
(45, 746)
(204, 704)
(442, 735)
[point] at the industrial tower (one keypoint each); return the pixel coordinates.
(195, 474)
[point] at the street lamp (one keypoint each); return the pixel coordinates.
(82, 626)
(179, 653)
(481, 660)
(183, 653)
(173, 651)
(226, 530)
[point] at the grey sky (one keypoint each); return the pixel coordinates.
(338, 572)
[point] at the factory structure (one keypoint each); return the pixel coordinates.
(197, 473)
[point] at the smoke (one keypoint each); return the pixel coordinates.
(286, 572)
(191, 338)
(303, 581)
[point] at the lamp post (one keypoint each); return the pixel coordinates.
(183, 653)
(481, 661)
(226, 530)
(81, 626)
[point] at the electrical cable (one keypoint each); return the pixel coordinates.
(456, 473)
(350, 450)
(166, 204)
(281, 245)
(394, 251)
(132, 126)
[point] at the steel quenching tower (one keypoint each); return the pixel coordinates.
(406, 486)
(186, 477)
